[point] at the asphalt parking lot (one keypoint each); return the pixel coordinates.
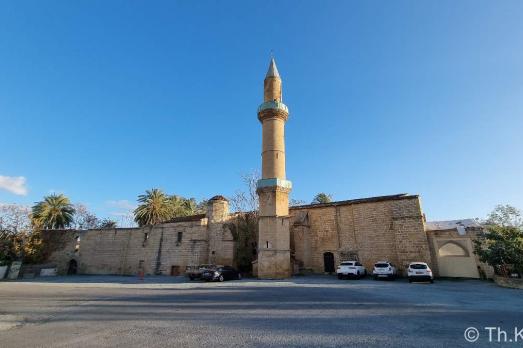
(313, 311)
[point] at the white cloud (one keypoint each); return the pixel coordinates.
(122, 212)
(122, 204)
(14, 184)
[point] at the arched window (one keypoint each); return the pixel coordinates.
(452, 249)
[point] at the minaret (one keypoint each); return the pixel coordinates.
(274, 259)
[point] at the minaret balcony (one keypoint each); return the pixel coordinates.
(273, 104)
(273, 108)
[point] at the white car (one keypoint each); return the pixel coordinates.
(420, 271)
(351, 269)
(384, 269)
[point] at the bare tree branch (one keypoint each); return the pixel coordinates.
(246, 200)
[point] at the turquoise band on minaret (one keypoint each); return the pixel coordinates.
(273, 105)
(274, 182)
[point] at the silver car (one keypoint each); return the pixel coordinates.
(384, 270)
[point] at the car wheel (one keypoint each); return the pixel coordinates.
(191, 278)
(432, 281)
(410, 280)
(358, 275)
(375, 277)
(339, 276)
(221, 279)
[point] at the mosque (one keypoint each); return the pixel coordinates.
(291, 240)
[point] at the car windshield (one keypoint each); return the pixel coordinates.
(381, 265)
(418, 266)
(347, 263)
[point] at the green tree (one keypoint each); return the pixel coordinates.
(183, 206)
(155, 207)
(505, 215)
(33, 248)
(18, 239)
(189, 207)
(201, 207)
(244, 227)
(501, 245)
(15, 225)
(244, 230)
(321, 198)
(54, 212)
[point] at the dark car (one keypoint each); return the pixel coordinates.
(195, 272)
(220, 274)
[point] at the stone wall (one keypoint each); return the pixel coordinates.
(60, 248)
(513, 283)
(464, 263)
(382, 228)
(409, 230)
(162, 249)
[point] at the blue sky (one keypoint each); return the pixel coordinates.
(102, 100)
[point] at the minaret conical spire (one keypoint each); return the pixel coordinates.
(273, 70)
(272, 83)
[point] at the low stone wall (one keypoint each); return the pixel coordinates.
(514, 283)
(31, 271)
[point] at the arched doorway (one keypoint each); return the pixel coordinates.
(452, 249)
(73, 267)
(328, 262)
(456, 258)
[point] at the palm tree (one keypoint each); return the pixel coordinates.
(107, 224)
(183, 206)
(176, 203)
(54, 212)
(155, 208)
